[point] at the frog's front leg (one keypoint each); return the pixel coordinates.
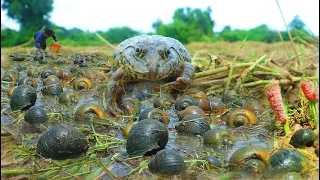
(185, 73)
(113, 92)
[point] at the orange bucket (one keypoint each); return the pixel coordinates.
(54, 47)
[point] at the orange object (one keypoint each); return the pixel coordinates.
(55, 47)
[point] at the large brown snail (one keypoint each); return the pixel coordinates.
(82, 83)
(154, 113)
(89, 109)
(241, 117)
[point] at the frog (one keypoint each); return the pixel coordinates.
(147, 58)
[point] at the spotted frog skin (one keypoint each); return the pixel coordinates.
(147, 58)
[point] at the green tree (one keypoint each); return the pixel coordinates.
(297, 23)
(29, 13)
(188, 25)
(118, 34)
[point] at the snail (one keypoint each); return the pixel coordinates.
(147, 137)
(127, 128)
(241, 117)
(51, 78)
(62, 142)
(64, 75)
(33, 72)
(254, 106)
(85, 109)
(185, 101)
(167, 162)
(23, 97)
(191, 110)
(129, 100)
(82, 83)
(286, 160)
(68, 97)
(47, 72)
(28, 80)
(232, 99)
(154, 113)
(211, 104)
(213, 161)
(250, 158)
(200, 95)
(163, 102)
(11, 76)
(218, 138)
(52, 88)
(193, 124)
(36, 115)
(18, 57)
(11, 91)
(303, 138)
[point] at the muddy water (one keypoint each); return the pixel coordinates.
(189, 147)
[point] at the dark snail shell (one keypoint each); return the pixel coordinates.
(303, 138)
(241, 117)
(154, 113)
(62, 142)
(88, 109)
(23, 97)
(33, 72)
(64, 75)
(191, 110)
(167, 162)
(211, 104)
(51, 78)
(193, 124)
(28, 80)
(251, 158)
(68, 97)
(147, 137)
(213, 161)
(218, 138)
(165, 101)
(18, 57)
(82, 83)
(11, 76)
(232, 99)
(36, 115)
(254, 106)
(47, 72)
(184, 102)
(52, 88)
(287, 160)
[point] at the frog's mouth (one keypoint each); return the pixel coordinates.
(151, 67)
(154, 72)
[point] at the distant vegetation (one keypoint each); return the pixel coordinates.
(189, 25)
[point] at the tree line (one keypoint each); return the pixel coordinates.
(188, 25)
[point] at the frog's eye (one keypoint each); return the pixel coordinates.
(138, 51)
(166, 53)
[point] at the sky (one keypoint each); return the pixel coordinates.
(94, 15)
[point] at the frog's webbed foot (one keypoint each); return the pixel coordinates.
(181, 84)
